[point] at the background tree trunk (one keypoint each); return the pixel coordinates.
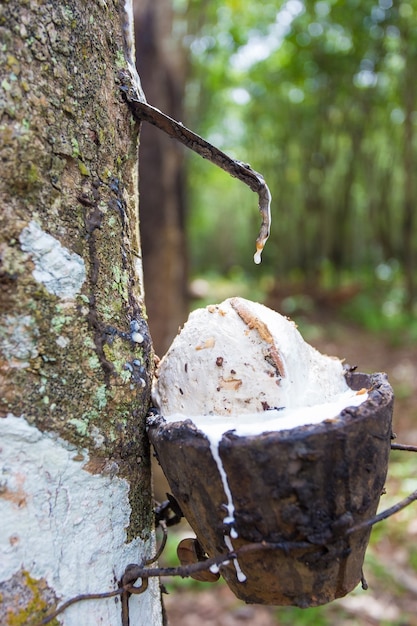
(162, 67)
(76, 358)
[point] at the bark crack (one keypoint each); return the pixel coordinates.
(93, 220)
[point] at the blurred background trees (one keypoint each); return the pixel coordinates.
(162, 63)
(321, 98)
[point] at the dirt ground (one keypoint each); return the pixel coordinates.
(392, 597)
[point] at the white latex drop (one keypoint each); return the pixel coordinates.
(214, 446)
(240, 575)
(214, 439)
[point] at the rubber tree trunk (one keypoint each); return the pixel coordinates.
(162, 66)
(76, 358)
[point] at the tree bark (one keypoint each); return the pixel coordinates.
(162, 193)
(75, 353)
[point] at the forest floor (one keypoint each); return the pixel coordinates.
(391, 562)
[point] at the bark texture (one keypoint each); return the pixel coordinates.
(307, 485)
(76, 358)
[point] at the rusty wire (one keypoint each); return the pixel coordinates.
(134, 572)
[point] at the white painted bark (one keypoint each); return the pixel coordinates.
(64, 525)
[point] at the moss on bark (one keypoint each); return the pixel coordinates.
(79, 366)
(33, 600)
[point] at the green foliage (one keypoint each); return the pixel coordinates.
(292, 616)
(319, 97)
(413, 558)
(381, 304)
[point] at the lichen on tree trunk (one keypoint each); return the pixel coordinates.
(75, 356)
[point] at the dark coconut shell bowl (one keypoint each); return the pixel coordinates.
(307, 485)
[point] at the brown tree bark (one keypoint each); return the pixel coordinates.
(75, 355)
(161, 65)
